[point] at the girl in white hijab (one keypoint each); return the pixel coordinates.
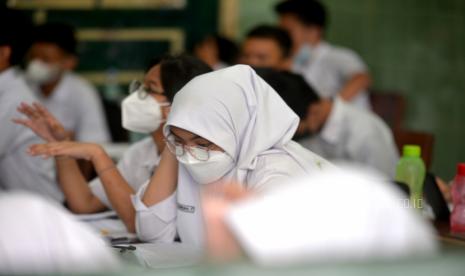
(228, 125)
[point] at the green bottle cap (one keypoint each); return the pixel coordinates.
(411, 151)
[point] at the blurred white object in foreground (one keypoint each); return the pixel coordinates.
(338, 215)
(37, 236)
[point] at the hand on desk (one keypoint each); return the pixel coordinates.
(42, 122)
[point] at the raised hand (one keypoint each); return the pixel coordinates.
(86, 151)
(42, 122)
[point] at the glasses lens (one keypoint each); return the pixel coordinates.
(201, 154)
(175, 148)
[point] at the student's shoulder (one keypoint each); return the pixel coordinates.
(338, 51)
(142, 148)
(78, 82)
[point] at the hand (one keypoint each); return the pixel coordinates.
(42, 122)
(86, 151)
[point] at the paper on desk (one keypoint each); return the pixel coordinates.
(166, 255)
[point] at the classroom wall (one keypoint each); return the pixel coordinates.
(414, 46)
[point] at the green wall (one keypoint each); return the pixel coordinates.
(414, 46)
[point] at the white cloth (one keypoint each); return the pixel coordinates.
(328, 70)
(238, 111)
(136, 166)
(18, 170)
(335, 215)
(77, 105)
(357, 136)
(37, 236)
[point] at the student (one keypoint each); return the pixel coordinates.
(333, 71)
(342, 132)
(217, 51)
(75, 102)
(18, 171)
(268, 49)
(143, 111)
(338, 215)
(228, 125)
(39, 237)
(267, 46)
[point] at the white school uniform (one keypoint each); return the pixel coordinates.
(76, 104)
(40, 237)
(328, 69)
(355, 136)
(136, 166)
(238, 111)
(336, 215)
(18, 170)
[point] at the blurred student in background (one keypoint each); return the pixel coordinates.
(341, 132)
(143, 111)
(217, 51)
(18, 171)
(74, 101)
(268, 49)
(333, 71)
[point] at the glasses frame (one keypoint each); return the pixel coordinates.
(173, 146)
(143, 93)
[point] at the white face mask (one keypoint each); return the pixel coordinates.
(40, 72)
(206, 172)
(141, 115)
(303, 55)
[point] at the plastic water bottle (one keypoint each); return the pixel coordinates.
(411, 171)
(457, 219)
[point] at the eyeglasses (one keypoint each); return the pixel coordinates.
(178, 149)
(142, 90)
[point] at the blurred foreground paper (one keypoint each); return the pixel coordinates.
(338, 215)
(37, 236)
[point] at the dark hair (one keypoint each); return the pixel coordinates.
(228, 51)
(15, 31)
(309, 12)
(60, 34)
(177, 70)
(278, 35)
(292, 88)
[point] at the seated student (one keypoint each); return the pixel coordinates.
(143, 111)
(39, 237)
(75, 102)
(217, 51)
(18, 171)
(342, 132)
(316, 219)
(268, 49)
(332, 71)
(225, 125)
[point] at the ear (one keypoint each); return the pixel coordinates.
(70, 62)
(5, 54)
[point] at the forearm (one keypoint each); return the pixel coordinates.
(78, 195)
(116, 188)
(164, 181)
(354, 86)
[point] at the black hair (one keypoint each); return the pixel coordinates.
(228, 51)
(177, 70)
(292, 88)
(278, 35)
(309, 12)
(60, 34)
(15, 30)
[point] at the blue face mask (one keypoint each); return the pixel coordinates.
(303, 55)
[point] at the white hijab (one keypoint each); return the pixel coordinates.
(238, 111)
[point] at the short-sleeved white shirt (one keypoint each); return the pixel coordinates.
(329, 68)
